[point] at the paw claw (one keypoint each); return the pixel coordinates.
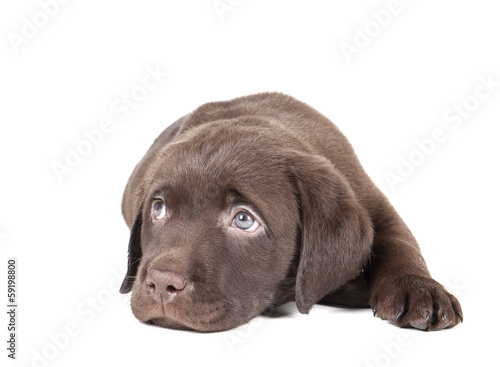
(416, 301)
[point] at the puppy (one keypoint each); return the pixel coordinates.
(241, 206)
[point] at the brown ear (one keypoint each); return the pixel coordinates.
(337, 232)
(134, 254)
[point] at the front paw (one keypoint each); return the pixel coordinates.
(415, 301)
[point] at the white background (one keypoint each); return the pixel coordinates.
(70, 239)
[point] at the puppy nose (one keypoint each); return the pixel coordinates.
(165, 284)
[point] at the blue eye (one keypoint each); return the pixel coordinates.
(159, 210)
(245, 222)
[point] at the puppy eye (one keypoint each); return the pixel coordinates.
(245, 222)
(159, 210)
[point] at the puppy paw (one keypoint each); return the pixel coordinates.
(415, 301)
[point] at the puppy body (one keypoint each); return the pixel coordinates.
(326, 234)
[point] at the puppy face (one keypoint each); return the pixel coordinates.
(237, 220)
(218, 236)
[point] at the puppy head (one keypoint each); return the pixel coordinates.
(233, 223)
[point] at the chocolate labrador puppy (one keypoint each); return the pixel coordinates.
(243, 205)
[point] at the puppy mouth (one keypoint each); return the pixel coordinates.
(205, 318)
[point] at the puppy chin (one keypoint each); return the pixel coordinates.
(222, 322)
(169, 324)
(208, 317)
(174, 325)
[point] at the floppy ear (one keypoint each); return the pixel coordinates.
(134, 254)
(337, 232)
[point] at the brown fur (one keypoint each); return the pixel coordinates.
(328, 234)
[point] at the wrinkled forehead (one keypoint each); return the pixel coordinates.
(215, 169)
(219, 170)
